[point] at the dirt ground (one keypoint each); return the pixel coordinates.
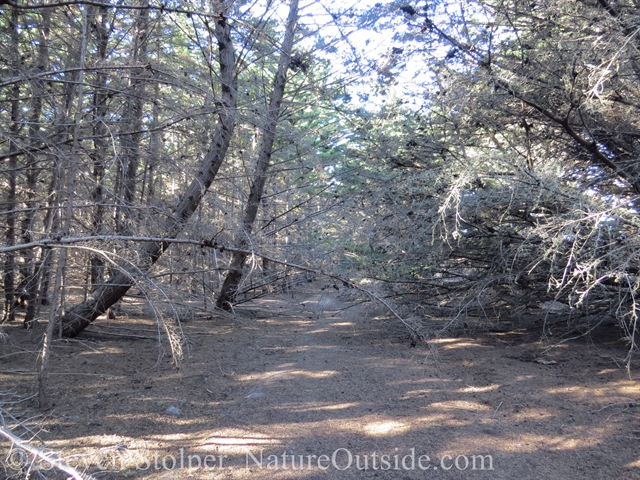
(310, 385)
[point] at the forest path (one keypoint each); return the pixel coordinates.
(312, 385)
(325, 377)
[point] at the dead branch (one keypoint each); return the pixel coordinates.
(68, 242)
(48, 457)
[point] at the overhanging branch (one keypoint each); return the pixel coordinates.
(68, 242)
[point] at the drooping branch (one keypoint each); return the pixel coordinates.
(563, 122)
(47, 457)
(162, 8)
(69, 242)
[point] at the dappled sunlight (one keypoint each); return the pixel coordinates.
(431, 420)
(102, 440)
(103, 350)
(623, 388)
(385, 429)
(308, 374)
(609, 371)
(634, 464)
(532, 414)
(286, 374)
(453, 405)
(239, 438)
(460, 344)
(436, 420)
(269, 321)
(240, 441)
(313, 406)
(444, 341)
(521, 443)
(291, 322)
(356, 230)
(475, 389)
(319, 330)
(155, 417)
(416, 393)
(303, 388)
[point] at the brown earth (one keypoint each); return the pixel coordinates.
(296, 386)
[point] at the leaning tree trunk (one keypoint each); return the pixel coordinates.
(79, 317)
(230, 287)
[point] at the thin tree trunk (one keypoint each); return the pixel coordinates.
(234, 276)
(79, 317)
(58, 291)
(100, 144)
(11, 202)
(33, 270)
(132, 123)
(50, 224)
(154, 151)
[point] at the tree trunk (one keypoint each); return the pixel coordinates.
(99, 154)
(33, 168)
(132, 123)
(50, 224)
(79, 317)
(234, 276)
(11, 202)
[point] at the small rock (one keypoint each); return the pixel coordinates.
(173, 411)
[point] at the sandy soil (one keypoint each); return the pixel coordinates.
(309, 385)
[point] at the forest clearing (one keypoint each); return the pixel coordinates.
(301, 239)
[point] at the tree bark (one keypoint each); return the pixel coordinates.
(234, 276)
(33, 270)
(11, 202)
(132, 123)
(79, 317)
(99, 154)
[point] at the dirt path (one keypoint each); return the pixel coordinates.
(299, 387)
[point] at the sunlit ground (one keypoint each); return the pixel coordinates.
(341, 396)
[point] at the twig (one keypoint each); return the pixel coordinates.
(47, 457)
(121, 335)
(15, 402)
(581, 335)
(119, 328)
(4, 413)
(628, 404)
(67, 242)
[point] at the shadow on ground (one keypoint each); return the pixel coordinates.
(303, 387)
